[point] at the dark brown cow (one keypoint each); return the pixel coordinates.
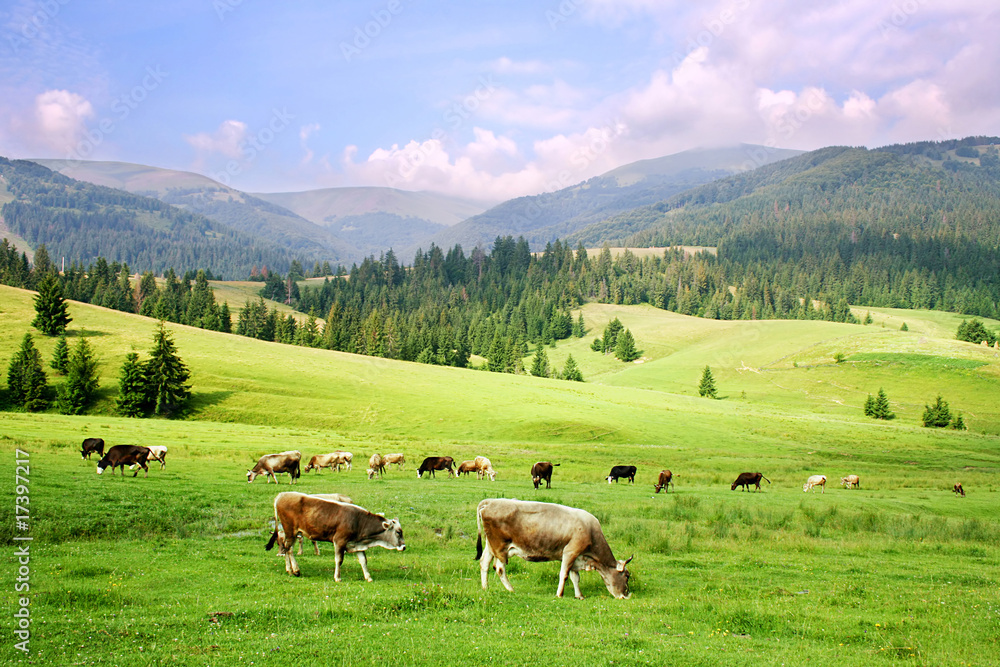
(270, 464)
(543, 532)
(622, 472)
(666, 479)
(350, 528)
(958, 489)
(432, 463)
(542, 470)
(125, 455)
(747, 478)
(91, 445)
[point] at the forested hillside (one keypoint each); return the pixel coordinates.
(80, 222)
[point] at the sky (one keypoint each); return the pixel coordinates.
(483, 99)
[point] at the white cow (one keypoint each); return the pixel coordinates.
(815, 480)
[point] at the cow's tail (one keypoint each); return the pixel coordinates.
(766, 479)
(479, 538)
(555, 464)
(274, 538)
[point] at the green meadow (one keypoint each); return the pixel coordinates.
(171, 569)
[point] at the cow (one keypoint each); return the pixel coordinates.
(432, 463)
(542, 470)
(91, 445)
(622, 472)
(958, 489)
(394, 459)
(123, 455)
(814, 481)
(666, 479)
(271, 464)
(543, 532)
(745, 479)
(851, 481)
(156, 453)
(340, 498)
(484, 468)
(465, 467)
(350, 528)
(376, 466)
(333, 460)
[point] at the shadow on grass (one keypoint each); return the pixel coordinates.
(202, 400)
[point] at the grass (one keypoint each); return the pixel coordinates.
(133, 571)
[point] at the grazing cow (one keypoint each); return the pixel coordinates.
(465, 467)
(545, 531)
(747, 478)
(340, 498)
(484, 468)
(432, 463)
(124, 455)
(156, 453)
(958, 489)
(851, 481)
(395, 459)
(333, 460)
(271, 464)
(622, 472)
(91, 445)
(542, 470)
(376, 466)
(665, 481)
(814, 481)
(350, 528)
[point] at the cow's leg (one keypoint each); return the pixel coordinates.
(500, 564)
(564, 571)
(484, 564)
(300, 538)
(316, 547)
(338, 561)
(363, 559)
(574, 577)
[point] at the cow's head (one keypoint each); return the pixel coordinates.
(536, 481)
(392, 535)
(102, 465)
(251, 475)
(616, 579)
(610, 478)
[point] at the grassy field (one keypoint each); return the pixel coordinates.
(133, 571)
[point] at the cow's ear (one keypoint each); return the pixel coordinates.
(387, 525)
(623, 563)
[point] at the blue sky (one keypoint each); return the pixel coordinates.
(482, 99)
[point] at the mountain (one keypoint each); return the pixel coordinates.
(548, 216)
(375, 219)
(80, 221)
(200, 194)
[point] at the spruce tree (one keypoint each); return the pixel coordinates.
(166, 375)
(958, 423)
(904, 327)
(937, 415)
(131, 401)
(51, 308)
(870, 406)
(225, 318)
(571, 371)
(706, 388)
(611, 332)
(579, 329)
(625, 347)
(540, 364)
(880, 406)
(26, 383)
(80, 387)
(60, 355)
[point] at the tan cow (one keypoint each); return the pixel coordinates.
(665, 481)
(350, 528)
(813, 481)
(394, 459)
(376, 466)
(484, 468)
(465, 467)
(340, 498)
(333, 460)
(545, 531)
(271, 464)
(851, 482)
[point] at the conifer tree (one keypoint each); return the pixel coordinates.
(571, 371)
(880, 406)
(225, 318)
(870, 406)
(51, 308)
(540, 364)
(904, 327)
(26, 383)
(60, 355)
(958, 423)
(937, 415)
(706, 388)
(80, 387)
(166, 375)
(611, 332)
(625, 347)
(131, 401)
(579, 329)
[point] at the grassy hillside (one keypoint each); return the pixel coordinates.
(131, 571)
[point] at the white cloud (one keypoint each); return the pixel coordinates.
(60, 119)
(227, 140)
(304, 132)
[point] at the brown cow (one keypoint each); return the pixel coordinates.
(91, 445)
(270, 464)
(340, 498)
(958, 489)
(465, 467)
(745, 479)
(124, 455)
(395, 459)
(376, 466)
(333, 460)
(350, 528)
(485, 469)
(432, 463)
(851, 481)
(542, 532)
(666, 479)
(542, 470)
